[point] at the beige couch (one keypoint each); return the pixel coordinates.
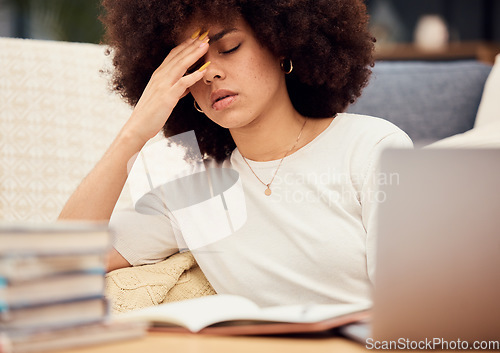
(58, 116)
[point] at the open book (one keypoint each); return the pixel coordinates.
(235, 315)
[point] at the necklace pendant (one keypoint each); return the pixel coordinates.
(268, 191)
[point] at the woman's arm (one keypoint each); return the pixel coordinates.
(115, 260)
(95, 198)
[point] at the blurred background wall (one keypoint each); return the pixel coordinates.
(400, 26)
(466, 19)
(67, 20)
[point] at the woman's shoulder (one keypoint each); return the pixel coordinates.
(366, 123)
(360, 139)
(368, 129)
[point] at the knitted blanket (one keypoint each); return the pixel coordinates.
(176, 278)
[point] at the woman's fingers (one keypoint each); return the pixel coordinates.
(168, 84)
(190, 49)
(195, 36)
(181, 87)
(169, 73)
(174, 73)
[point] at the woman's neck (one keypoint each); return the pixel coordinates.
(270, 136)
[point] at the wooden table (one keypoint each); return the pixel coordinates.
(156, 342)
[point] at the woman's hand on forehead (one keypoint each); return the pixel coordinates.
(167, 85)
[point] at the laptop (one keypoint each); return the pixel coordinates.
(438, 254)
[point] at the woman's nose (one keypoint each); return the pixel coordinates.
(214, 72)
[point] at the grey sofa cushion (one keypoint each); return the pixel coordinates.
(428, 100)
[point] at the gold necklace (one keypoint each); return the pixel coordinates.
(268, 190)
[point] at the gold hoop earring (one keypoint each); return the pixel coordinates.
(290, 68)
(197, 107)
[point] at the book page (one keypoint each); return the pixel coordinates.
(308, 313)
(196, 314)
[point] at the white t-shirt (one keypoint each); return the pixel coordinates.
(311, 241)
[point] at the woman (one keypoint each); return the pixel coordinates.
(264, 85)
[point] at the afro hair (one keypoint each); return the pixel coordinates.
(327, 40)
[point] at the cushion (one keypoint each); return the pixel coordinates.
(428, 100)
(486, 131)
(58, 117)
(177, 278)
(483, 136)
(489, 109)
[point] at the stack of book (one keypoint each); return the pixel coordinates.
(52, 288)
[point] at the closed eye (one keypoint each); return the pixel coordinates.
(230, 50)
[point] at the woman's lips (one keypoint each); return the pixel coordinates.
(224, 103)
(222, 99)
